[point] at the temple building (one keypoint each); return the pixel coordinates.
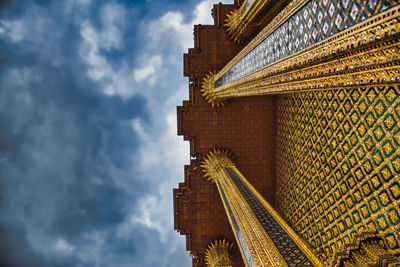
(293, 120)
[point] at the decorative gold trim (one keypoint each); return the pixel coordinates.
(260, 246)
(371, 77)
(240, 21)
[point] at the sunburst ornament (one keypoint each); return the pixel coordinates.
(234, 24)
(219, 253)
(214, 161)
(208, 90)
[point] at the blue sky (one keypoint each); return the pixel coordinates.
(88, 147)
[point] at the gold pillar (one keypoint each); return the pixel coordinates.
(263, 237)
(367, 53)
(219, 254)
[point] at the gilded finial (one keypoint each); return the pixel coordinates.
(213, 162)
(219, 253)
(233, 24)
(208, 89)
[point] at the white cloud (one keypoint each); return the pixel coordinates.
(118, 79)
(138, 128)
(63, 246)
(72, 5)
(148, 69)
(163, 148)
(202, 12)
(166, 150)
(99, 66)
(113, 80)
(13, 30)
(172, 26)
(112, 17)
(150, 215)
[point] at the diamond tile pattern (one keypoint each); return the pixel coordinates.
(338, 164)
(314, 22)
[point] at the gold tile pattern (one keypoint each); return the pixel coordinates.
(338, 164)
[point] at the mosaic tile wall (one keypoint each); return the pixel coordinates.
(316, 21)
(338, 164)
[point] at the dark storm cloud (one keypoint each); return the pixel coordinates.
(87, 151)
(65, 150)
(14, 249)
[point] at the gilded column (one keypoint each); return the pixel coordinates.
(263, 237)
(299, 51)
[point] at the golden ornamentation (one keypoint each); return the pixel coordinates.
(219, 254)
(344, 59)
(208, 90)
(215, 160)
(256, 247)
(241, 21)
(372, 67)
(255, 244)
(366, 249)
(254, 239)
(233, 24)
(287, 12)
(338, 164)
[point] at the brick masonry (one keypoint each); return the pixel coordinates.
(245, 126)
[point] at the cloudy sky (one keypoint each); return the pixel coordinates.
(88, 147)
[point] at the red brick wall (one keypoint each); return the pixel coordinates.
(245, 126)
